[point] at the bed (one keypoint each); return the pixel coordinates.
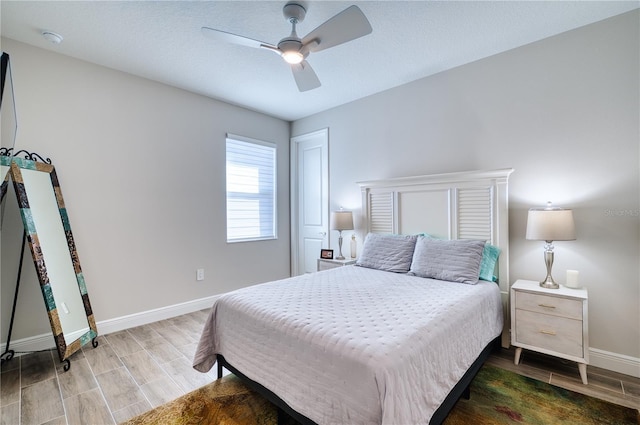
(393, 339)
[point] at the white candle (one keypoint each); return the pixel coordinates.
(572, 279)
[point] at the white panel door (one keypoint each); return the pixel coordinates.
(310, 203)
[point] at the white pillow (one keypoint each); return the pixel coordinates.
(392, 253)
(452, 260)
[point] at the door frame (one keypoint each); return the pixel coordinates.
(294, 183)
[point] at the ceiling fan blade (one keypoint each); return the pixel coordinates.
(228, 37)
(345, 26)
(305, 76)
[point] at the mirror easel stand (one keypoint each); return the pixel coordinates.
(6, 154)
(7, 351)
(69, 288)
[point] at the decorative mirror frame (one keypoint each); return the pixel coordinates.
(65, 348)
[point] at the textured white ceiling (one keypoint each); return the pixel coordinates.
(161, 40)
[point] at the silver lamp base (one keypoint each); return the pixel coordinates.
(340, 256)
(548, 281)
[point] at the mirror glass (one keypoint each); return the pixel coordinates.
(54, 254)
(8, 121)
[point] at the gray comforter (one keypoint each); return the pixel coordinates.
(354, 345)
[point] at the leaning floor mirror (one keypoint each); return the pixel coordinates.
(54, 254)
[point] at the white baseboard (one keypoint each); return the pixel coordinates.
(616, 362)
(150, 316)
(45, 341)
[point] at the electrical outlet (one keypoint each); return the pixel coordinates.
(200, 274)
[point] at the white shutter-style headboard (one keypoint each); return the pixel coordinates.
(464, 205)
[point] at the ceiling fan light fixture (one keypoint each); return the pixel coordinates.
(292, 57)
(290, 49)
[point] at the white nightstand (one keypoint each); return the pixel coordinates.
(550, 321)
(326, 264)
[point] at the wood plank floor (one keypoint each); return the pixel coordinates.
(138, 369)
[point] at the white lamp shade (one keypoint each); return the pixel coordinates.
(550, 224)
(341, 220)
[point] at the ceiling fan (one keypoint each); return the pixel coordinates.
(345, 26)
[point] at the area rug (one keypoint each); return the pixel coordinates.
(501, 397)
(497, 397)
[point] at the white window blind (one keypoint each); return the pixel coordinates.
(251, 189)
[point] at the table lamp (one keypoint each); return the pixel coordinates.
(341, 220)
(550, 224)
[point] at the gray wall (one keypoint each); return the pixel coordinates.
(564, 113)
(141, 167)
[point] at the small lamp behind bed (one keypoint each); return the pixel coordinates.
(550, 224)
(341, 220)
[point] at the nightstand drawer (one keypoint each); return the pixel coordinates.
(554, 333)
(555, 306)
(326, 263)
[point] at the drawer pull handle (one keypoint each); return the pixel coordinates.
(547, 332)
(546, 306)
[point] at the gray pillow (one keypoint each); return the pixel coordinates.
(452, 260)
(392, 253)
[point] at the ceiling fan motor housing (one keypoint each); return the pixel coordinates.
(290, 44)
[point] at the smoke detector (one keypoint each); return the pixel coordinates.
(52, 37)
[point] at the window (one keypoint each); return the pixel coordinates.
(251, 189)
